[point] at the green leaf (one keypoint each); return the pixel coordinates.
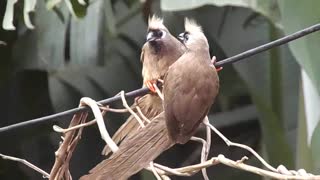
(315, 148)
(50, 4)
(266, 8)
(271, 77)
(303, 154)
(306, 49)
(110, 18)
(89, 49)
(312, 117)
(47, 39)
(76, 9)
(7, 22)
(29, 6)
(311, 103)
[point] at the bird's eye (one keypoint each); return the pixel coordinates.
(186, 36)
(159, 33)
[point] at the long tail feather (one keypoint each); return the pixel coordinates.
(135, 152)
(128, 128)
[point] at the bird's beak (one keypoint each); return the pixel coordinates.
(150, 36)
(181, 37)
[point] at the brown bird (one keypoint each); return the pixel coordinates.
(158, 53)
(142, 147)
(190, 86)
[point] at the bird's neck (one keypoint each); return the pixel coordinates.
(156, 46)
(203, 52)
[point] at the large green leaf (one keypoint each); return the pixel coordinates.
(266, 8)
(271, 77)
(312, 117)
(306, 51)
(89, 49)
(270, 81)
(77, 8)
(43, 47)
(303, 155)
(315, 148)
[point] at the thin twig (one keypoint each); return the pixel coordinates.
(262, 172)
(157, 90)
(92, 122)
(60, 169)
(89, 123)
(208, 134)
(171, 171)
(203, 155)
(102, 128)
(142, 115)
(154, 171)
(61, 130)
(125, 104)
(189, 170)
(25, 162)
(113, 109)
(230, 143)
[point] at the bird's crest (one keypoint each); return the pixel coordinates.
(191, 26)
(155, 22)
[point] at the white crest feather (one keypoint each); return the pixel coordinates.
(191, 26)
(155, 22)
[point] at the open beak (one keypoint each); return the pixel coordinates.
(150, 36)
(181, 37)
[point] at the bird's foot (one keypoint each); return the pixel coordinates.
(213, 61)
(219, 69)
(150, 85)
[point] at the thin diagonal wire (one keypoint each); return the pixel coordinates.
(143, 91)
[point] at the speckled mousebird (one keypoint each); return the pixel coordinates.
(158, 53)
(192, 84)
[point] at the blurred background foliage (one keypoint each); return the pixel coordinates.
(53, 53)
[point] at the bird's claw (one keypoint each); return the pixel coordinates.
(150, 85)
(213, 61)
(219, 69)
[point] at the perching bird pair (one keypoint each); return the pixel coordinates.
(190, 86)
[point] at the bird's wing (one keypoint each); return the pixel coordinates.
(186, 90)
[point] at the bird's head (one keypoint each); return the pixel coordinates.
(156, 30)
(193, 36)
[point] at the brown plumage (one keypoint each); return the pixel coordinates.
(190, 86)
(158, 53)
(135, 152)
(142, 147)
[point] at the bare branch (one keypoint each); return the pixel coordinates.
(25, 162)
(142, 115)
(158, 90)
(230, 143)
(102, 128)
(125, 104)
(203, 155)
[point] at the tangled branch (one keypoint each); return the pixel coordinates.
(72, 135)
